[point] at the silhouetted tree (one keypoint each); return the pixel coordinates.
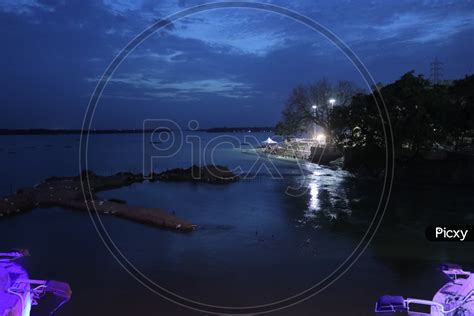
(299, 114)
(422, 116)
(461, 118)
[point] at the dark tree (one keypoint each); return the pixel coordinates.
(461, 118)
(423, 117)
(308, 105)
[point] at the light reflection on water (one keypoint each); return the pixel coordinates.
(327, 196)
(314, 200)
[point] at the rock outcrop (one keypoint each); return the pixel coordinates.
(67, 192)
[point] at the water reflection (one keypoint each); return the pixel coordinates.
(327, 195)
(314, 200)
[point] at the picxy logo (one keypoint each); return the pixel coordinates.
(450, 233)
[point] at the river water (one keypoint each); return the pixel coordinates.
(255, 243)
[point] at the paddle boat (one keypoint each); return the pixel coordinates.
(19, 293)
(455, 298)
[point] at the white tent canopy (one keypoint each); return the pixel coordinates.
(269, 141)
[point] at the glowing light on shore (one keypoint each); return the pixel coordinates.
(321, 139)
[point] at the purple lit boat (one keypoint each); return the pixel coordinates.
(18, 293)
(455, 298)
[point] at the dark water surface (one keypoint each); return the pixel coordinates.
(254, 243)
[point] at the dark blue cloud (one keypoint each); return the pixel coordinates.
(225, 67)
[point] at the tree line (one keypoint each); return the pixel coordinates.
(423, 116)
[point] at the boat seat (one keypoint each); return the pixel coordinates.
(389, 303)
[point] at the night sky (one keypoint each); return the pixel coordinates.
(230, 67)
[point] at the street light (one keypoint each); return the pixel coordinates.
(332, 101)
(321, 139)
(314, 107)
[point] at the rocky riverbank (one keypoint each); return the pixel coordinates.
(66, 192)
(208, 174)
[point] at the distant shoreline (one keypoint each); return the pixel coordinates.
(45, 131)
(40, 131)
(238, 129)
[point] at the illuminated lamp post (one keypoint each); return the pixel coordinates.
(314, 107)
(331, 102)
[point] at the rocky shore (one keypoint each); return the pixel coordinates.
(66, 192)
(208, 174)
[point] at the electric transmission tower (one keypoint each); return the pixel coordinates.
(436, 71)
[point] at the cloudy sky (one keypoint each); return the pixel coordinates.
(227, 67)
